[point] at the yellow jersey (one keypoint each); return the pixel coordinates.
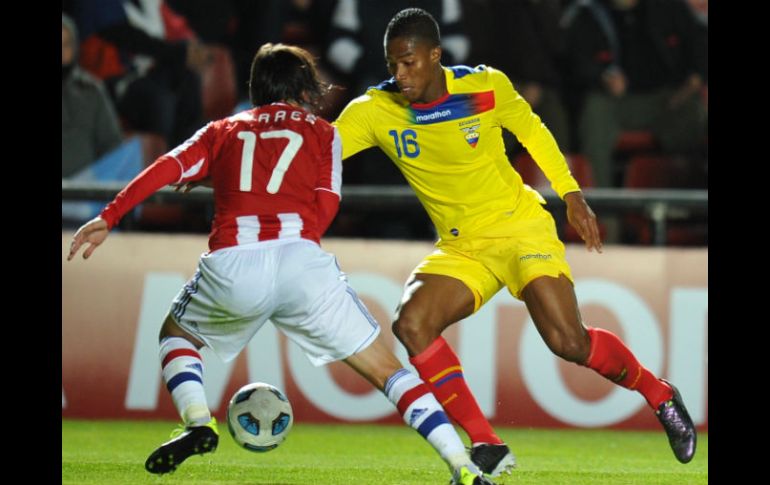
(451, 150)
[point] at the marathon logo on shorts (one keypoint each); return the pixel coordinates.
(542, 257)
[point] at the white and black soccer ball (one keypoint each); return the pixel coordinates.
(259, 417)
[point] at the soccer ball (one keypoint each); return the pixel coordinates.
(259, 417)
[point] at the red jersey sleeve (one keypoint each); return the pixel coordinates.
(194, 155)
(187, 162)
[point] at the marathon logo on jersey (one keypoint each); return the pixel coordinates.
(454, 107)
(435, 116)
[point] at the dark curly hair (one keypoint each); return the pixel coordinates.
(282, 72)
(414, 22)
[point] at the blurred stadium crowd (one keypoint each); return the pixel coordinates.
(622, 85)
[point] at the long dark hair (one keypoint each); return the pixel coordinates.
(282, 72)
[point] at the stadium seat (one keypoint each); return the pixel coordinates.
(535, 178)
(581, 169)
(153, 146)
(218, 85)
(656, 172)
(636, 141)
(631, 143)
(153, 214)
(530, 172)
(645, 171)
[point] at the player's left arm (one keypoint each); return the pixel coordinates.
(516, 115)
(583, 219)
(328, 187)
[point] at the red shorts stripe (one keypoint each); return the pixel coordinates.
(179, 353)
(411, 396)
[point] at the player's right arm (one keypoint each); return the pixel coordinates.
(94, 232)
(186, 163)
(164, 171)
(355, 125)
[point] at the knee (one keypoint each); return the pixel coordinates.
(414, 331)
(406, 327)
(570, 347)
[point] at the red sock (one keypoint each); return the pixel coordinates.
(440, 368)
(611, 358)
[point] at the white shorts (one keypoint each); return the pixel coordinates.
(295, 284)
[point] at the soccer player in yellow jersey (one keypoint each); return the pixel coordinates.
(442, 127)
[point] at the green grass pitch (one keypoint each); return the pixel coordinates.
(113, 452)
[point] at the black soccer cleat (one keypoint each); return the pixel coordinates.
(493, 459)
(679, 427)
(193, 440)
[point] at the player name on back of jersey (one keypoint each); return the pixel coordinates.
(269, 117)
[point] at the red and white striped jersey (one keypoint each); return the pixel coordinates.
(270, 168)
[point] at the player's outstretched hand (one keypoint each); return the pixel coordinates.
(188, 186)
(94, 232)
(583, 219)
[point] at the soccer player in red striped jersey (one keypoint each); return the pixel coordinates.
(276, 173)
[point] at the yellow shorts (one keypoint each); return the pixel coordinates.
(530, 249)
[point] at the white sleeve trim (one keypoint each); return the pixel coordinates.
(181, 168)
(194, 170)
(336, 163)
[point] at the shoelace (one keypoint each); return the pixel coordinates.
(180, 428)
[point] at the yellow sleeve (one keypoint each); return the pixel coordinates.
(355, 126)
(516, 115)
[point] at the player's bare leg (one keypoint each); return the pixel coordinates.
(417, 406)
(183, 373)
(431, 303)
(553, 306)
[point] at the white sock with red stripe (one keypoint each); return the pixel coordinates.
(183, 373)
(421, 411)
